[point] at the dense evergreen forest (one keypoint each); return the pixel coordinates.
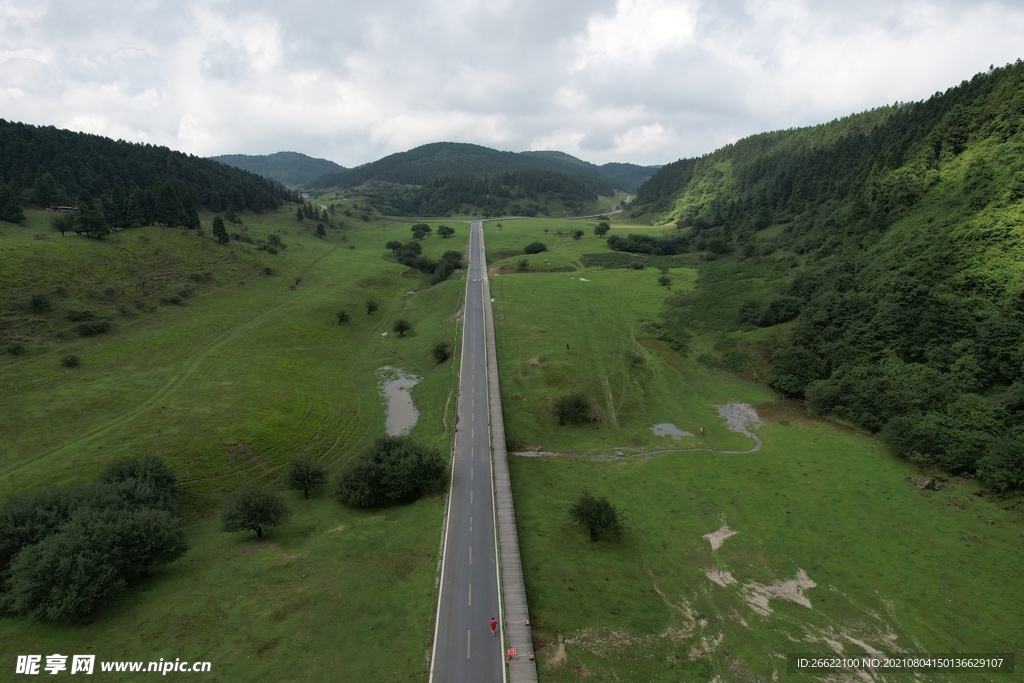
(512, 193)
(894, 238)
(134, 184)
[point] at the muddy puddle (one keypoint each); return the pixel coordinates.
(394, 385)
(669, 429)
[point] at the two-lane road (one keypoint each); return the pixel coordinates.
(464, 650)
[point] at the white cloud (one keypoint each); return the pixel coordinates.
(609, 80)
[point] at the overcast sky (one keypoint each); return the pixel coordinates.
(646, 81)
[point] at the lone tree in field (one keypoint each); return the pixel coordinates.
(664, 280)
(577, 234)
(320, 232)
(597, 514)
(535, 248)
(394, 246)
(62, 223)
(219, 232)
(401, 326)
(308, 476)
(572, 409)
(602, 229)
(343, 317)
(298, 214)
(442, 351)
(522, 266)
(255, 508)
(371, 306)
(420, 230)
(445, 231)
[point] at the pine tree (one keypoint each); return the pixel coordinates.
(88, 218)
(219, 232)
(10, 207)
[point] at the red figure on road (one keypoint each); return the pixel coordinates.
(494, 626)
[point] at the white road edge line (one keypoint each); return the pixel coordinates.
(451, 480)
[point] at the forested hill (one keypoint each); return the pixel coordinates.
(438, 160)
(899, 237)
(48, 166)
(517, 193)
(293, 169)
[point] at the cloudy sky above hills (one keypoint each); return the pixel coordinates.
(646, 81)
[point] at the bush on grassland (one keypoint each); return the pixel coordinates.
(395, 469)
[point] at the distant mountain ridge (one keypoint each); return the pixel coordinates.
(292, 169)
(424, 164)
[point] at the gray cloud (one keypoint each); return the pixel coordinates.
(616, 80)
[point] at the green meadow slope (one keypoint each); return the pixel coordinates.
(834, 547)
(244, 372)
(887, 246)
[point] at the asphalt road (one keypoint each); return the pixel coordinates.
(464, 650)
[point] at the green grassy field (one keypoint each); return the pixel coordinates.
(251, 370)
(589, 330)
(892, 567)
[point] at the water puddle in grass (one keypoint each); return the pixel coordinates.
(741, 418)
(669, 429)
(394, 385)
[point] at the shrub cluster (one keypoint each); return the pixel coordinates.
(441, 351)
(572, 409)
(63, 552)
(411, 255)
(778, 309)
(395, 469)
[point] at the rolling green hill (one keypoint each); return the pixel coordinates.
(292, 169)
(878, 260)
(437, 160)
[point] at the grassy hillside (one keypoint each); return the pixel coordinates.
(291, 169)
(249, 370)
(834, 547)
(888, 244)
